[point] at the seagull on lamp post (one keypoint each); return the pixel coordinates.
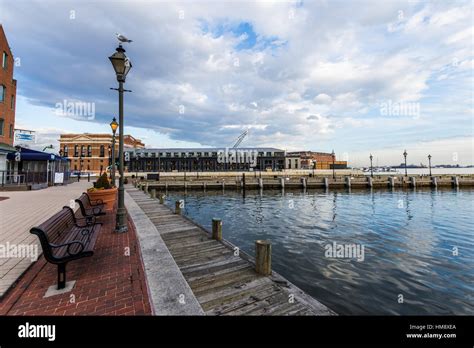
(122, 38)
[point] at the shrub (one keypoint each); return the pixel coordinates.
(103, 182)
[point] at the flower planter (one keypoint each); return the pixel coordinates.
(108, 196)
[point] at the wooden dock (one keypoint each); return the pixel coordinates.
(223, 283)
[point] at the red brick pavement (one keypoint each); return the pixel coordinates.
(108, 283)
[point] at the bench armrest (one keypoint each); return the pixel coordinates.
(68, 245)
(89, 220)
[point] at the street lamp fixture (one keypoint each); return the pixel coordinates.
(429, 163)
(405, 155)
(371, 168)
(122, 66)
(113, 125)
(333, 167)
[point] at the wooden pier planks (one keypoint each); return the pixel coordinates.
(224, 284)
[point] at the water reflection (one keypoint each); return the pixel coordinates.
(408, 245)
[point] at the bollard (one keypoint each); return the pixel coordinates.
(348, 181)
(146, 188)
(434, 181)
(263, 257)
(303, 182)
(391, 181)
(413, 181)
(177, 207)
(326, 182)
(223, 185)
(282, 183)
(260, 183)
(216, 229)
(153, 193)
(370, 182)
(162, 199)
(89, 177)
(455, 181)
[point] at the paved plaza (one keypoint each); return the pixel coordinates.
(21, 211)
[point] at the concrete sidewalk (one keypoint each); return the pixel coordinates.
(21, 211)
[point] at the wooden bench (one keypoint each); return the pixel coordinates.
(65, 237)
(89, 208)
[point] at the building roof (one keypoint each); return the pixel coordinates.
(210, 149)
(34, 155)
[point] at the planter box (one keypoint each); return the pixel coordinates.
(108, 196)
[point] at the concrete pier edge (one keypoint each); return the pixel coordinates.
(165, 281)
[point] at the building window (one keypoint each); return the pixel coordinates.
(12, 102)
(66, 150)
(102, 151)
(76, 152)
(11, 131)
(4, 60)
(2, 122)
(3, 91)
(83, 151)
(89, 151)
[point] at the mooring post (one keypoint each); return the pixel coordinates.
(223, 185)
(216, 229)
(348, 181)
(370, 182)
(178, 206)
(204, 186)
(391, 181)
(455, 181)
(185, 185)
(434, 181)
(303, 182)
(243, 181)
(162, 199)
(282, 183)
(153, 193)
(326, 182)
(260, 183)
(413, 181)
(263, 257)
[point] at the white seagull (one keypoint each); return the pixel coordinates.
(122, 38)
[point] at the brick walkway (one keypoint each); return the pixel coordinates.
(108, 283)
(20, 212)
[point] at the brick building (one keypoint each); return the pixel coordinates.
(7, 100)
(315, 160)
(94, 149)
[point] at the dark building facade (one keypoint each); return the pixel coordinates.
(204, 159)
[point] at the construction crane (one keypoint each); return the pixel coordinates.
(240, 138)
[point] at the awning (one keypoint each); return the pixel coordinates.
(33, 155)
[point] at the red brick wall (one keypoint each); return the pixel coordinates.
(7, 113)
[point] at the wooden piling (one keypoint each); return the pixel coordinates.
(260, 183)
(434, 181)
(370, 181)
(177, 207)
(216, 229)
(162, 198)
(348, 181)
(263, 257)
(413, 181)
(326, 182)
(153, 193)
(282, 183)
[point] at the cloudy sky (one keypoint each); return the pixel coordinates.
(358, 77)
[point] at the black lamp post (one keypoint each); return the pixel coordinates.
(405, 155)
(429, 163)
(81, 162)
(122, 66)
(333, 167)
(114, 125)
(371, 168)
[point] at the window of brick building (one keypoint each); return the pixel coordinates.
(76, 151)
(3, 91)
(89, 151)
(102, 150)
(4, 60)
(2, 122)
(66, 150)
